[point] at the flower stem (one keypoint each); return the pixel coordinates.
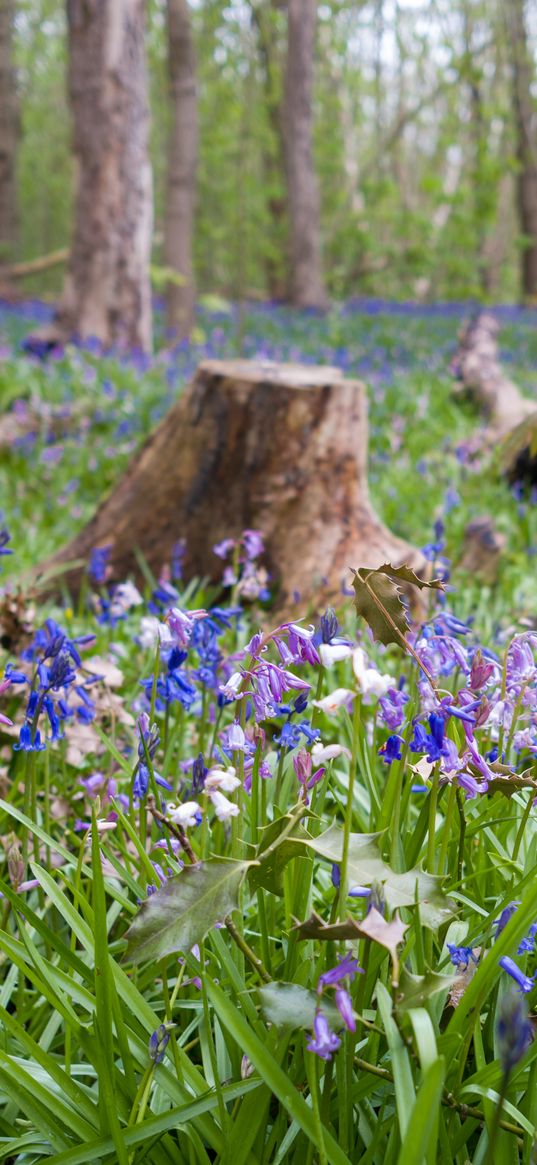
(343, 886)
(312, 1070)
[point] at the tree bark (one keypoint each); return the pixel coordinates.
(512, 418)
(271, 53)
(526, 140)
(481, 376)
(107, 293)
(279, 448)
(307, 286)
(9, 133)
(182, 160)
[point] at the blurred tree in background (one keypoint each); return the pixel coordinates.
(424, 138)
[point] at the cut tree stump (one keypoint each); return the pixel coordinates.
(281, 448)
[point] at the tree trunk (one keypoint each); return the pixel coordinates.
(279, 448)
(182, 159)
(265, 18)
(307, 287)
(107, 291)
(526, 140)
(9, 132)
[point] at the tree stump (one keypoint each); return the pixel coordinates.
(250, 445)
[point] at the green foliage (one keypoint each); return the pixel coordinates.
(420, 1078)
(178, 916)
(288, 1005)
(378, 599)
(412, 146)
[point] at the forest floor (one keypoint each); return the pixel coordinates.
(380, 794)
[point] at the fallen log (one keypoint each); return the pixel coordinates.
(9, 271)
(249, 445)
(511, 430)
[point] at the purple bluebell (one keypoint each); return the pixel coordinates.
(329, 626)
(461, 956)
(524, 982)
(53, 719)
(199, 772)
(391, 749)
(527, 944)
(323, 1042)
(98, 563)
(347, 968)
(505, 917)
(27, 742)
(5, 537)
(158, 1043)
(14, 676)
(344, 1006)
(391, 707)
(253, 545)
(513, 1030)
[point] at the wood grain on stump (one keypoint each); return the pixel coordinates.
(281, 448)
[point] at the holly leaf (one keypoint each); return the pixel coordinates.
(315, 927)
(269, 873)
(505, 781)
(373, 927)
(366, 865)
(290, 1005)
(180, 914)
(377, 598)
(416, 990)
(387, 934)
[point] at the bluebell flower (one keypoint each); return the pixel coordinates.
(26, 744)
(199, 772)
(461, 956)
(329, 626)
(513, 1030)
(527, 944)
(98, 563)
(15, 677)
(53, 719)
(391, 707)
(524, 982)
(420, 739)
(391, 749)
(5, 537)
(346, 968)
(344, 1006)
(505, 916)
(323, 1042)
(158, 1043)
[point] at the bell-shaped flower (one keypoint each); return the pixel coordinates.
(223, 808)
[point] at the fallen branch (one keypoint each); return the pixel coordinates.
(12, 271)
(477, 367)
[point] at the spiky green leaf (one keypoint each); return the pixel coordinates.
(378, 599)
(180, 914)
